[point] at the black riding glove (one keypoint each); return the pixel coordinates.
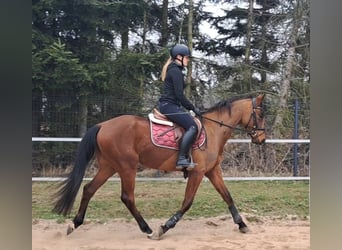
(197, 112)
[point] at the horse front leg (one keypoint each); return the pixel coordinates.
(215, 177)
(190, 191)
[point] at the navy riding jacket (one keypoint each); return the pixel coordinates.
(174, 87)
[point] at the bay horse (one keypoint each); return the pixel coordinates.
(123, 143)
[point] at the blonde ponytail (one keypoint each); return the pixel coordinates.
(163, 74)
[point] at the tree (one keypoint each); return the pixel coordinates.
(290, 65)
(190, 45)
(164, 28)
(57, 71)
(247, 38)
(248, 71)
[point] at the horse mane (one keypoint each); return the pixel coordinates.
(227, 103)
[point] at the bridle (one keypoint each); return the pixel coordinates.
(252, 132)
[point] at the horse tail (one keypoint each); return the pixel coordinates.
(69, 188)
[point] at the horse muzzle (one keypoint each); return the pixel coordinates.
(258, 137)
(259, 142)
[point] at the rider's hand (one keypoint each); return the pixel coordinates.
(197, 112)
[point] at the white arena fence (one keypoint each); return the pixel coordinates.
(274, 178)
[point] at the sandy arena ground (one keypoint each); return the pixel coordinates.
(219, 233)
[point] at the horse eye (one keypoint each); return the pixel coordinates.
(261, 113)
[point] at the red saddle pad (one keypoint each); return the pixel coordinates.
(165, 136)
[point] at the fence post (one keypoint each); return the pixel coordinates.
(295, 136)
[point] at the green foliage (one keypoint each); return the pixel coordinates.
(57, 68)
(131, 73)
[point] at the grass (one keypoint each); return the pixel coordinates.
(162, 199)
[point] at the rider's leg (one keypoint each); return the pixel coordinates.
(186, 142)
(176, 114)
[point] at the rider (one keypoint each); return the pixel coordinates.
(173, 100)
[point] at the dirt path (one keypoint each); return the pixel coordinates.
(217, 233)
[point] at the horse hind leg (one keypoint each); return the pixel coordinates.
(88, 192)
(127, 197)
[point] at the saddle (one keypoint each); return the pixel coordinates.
(165, 133)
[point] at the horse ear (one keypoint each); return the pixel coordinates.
(260, 98)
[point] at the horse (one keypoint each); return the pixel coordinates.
(122, 144)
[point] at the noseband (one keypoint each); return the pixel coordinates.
(253, 132)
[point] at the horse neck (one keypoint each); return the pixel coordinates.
(229, 121)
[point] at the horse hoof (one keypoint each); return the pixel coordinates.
(244, 230)
(153, 236)
(156, 236)
(70, 229)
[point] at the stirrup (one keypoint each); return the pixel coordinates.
(186, 165)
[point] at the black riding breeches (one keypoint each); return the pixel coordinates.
(177, 115)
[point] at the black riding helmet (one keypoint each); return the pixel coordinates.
(180, 49)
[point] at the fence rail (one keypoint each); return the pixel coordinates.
(65, 139)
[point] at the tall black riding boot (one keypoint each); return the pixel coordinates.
(186, 142)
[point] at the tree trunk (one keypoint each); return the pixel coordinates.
(164, 28)
(124, 39)
(83, 115)
(264, 58)
(144, 32)
(289, 66)
(306, 54)
(249, 32)
(190, 45)
(247, 68)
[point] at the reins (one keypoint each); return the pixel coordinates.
(222, 124)
(251, 132)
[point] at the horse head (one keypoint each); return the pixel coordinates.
(253, 120)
